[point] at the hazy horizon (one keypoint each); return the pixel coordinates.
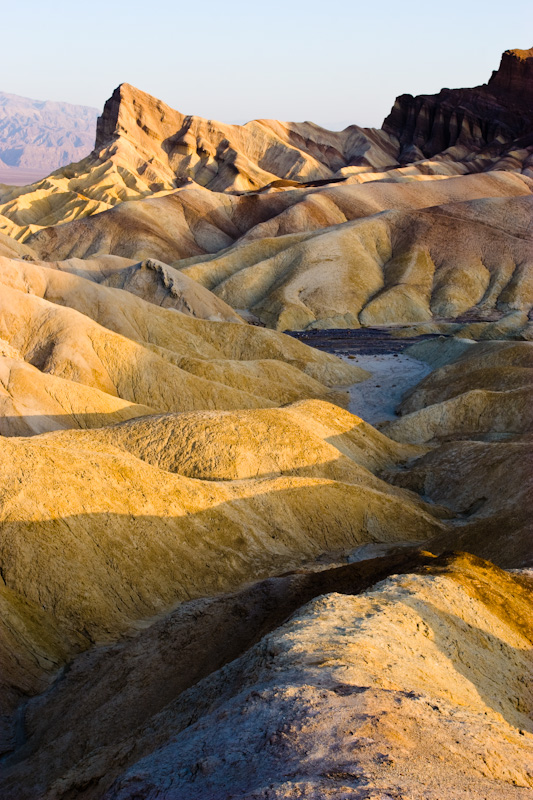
(237, 63)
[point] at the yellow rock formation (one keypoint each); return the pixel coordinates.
(485, 391)
(225, 561)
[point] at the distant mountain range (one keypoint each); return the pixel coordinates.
(37, 137)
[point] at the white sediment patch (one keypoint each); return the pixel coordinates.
(376, 399)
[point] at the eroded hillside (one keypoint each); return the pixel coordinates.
(217, 579)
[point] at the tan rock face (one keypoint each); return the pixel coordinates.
(231, 156)
(164, 286)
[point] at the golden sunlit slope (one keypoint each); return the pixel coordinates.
(193, 221)
(178, 493)
(32, 401)
(395, 267)
(142, 517)
(248, 444)
(11, 248)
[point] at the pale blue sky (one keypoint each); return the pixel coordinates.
(335, 62)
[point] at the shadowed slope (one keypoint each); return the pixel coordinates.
(139, 518)
(315, 703)
(489, 484)
(329, 698)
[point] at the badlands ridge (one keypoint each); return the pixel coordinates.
(215, 580)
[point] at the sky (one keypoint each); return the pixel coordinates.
(335, 63)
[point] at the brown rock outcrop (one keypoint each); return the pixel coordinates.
(495, 113)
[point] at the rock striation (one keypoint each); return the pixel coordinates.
(398, 267)
(489, 116)
(333, 256)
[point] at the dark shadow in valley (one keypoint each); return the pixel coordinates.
(105, 694)
(37, 424)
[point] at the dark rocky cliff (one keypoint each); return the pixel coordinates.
(497, 112)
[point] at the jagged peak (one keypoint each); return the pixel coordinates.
(129, 109)
(513, 80)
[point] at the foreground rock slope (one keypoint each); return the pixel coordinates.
(209, 487)
(321, 705)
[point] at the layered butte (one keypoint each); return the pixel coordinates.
(486, 118)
